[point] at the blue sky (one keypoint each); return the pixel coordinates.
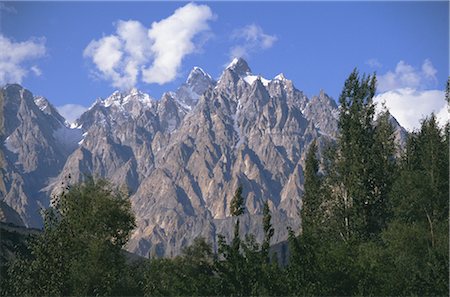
(315, 44)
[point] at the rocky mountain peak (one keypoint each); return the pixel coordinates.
(196, 84)
(182, 156)
(280, 77)
(239, 66)
(197, 75)
(122, 98)
(323, 98)
(46, 107)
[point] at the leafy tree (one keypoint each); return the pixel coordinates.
(79, 252)
(231, 270)
(364, 152)
(303, 273)
(268, 230)
(420, 205)
(312, 196)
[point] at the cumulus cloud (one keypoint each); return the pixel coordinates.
(250, 39)
(407, 95)
(406, 76)
(410, 106)
(153, 55)
(172, 40)
(71, 112)
(16, 56)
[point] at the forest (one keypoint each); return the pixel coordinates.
(374, 222)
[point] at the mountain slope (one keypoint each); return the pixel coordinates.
(181, 157)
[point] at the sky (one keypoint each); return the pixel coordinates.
(75, 52)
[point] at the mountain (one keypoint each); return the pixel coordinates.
(181, 157)
(34, 143)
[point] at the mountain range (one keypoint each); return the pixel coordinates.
(180, 157)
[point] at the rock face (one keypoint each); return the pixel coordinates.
(34, 144)
(181, 157)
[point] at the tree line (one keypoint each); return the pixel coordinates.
(374, 222)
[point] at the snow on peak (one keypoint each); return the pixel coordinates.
(135, 91)
(250, 79)
(280, 77)
(233, 63)
(41, 102)
(119, 99)
(197, 72)
(239, 66)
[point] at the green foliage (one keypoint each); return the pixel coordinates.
(237, 207)
(191, 274)
(372, 224)
(268, 230)
(358, 176)
(79, 252)
(312, 196)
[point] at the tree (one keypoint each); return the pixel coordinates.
(312, 196)
(79, 251)
(237, 208)
(190, 274)
(268, 231)
(232, 271)
(364, 150)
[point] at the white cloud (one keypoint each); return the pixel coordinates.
(374, 63)
(173, 40)
(408, 94)
(152, 54)
(406, 76)
(36, 70)
(250, 39)
(15, 57)
(410, 106)
(428, 70)
(71, 112)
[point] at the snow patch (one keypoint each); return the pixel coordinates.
(82, 140)
(197, 69)
(119, 100)
(233, 63)
(280, 77)
(41, 103)
(250, 79)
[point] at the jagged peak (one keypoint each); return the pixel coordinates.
(280, 77)
(239, 66)
(198, 73)
(118, 98)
